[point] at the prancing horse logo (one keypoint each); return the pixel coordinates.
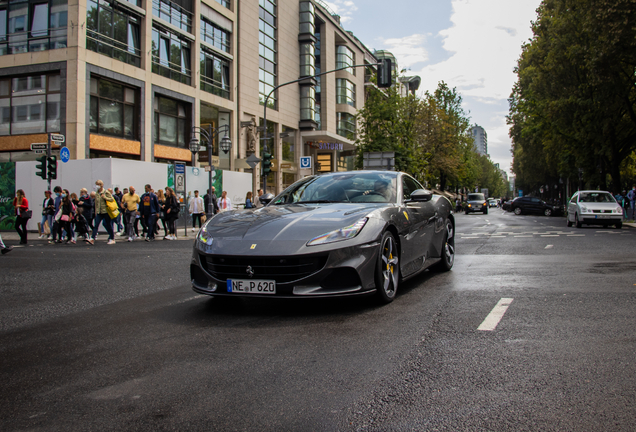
(250, 271)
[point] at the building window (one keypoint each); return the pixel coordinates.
(173, 13)
(267, 52)
(318, 94)
(271, 147)
(307, 103)
(346, 126)
(113, 32)
(171, 55)
(345, 58)
(215, 35)
(215, 74)
(114, 109)
(32, 25)
(170, 122)
(30, 104)
(225, 3)
(345, 92)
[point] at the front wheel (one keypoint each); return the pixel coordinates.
(547, 212)
(387, 271)
(486, 211)
(619, 225)
(578, 222)
(448, 249)
(518, 211)
(568, 220)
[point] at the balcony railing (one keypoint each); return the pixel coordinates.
(113, 48)
(171, 70)
(33, 41)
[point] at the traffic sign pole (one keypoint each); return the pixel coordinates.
(48, 155)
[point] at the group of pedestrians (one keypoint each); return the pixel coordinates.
(67, 216)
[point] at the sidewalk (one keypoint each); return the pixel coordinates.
(12, 237)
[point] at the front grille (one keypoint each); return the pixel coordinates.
(601, 211)
(280, 269)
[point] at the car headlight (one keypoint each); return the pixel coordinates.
(345, 233)
(205, 237)
(619, 210)
(583, 209)
(468, 205)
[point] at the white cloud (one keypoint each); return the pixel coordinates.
(408, 50)
(343, 8)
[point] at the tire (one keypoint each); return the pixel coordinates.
(448, 250)
(467, 212)
(568, 220)
(576, 219)
(387, 273)
(517, 211)
(619, 225)
(486, 211)
(547, 212)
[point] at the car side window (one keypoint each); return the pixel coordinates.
(535, 200)
(409, 185)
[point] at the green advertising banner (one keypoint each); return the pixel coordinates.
(7, 193)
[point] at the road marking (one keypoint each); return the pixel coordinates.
(549, 235)
(523, 236)
(549, 247)
(495, 315)
(576, 235)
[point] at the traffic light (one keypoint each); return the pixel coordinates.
(385, 73)
(267, 163)
(52, 167)
(41, 167)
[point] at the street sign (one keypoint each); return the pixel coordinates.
(39, 146)
(57, 138)
(209, 168)
(253, 160)
(65, 154)
(305, 162)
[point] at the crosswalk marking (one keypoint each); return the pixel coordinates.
(495, 315)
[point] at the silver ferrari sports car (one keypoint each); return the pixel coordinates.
(338, 234)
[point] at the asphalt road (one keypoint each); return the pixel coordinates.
(112, 338)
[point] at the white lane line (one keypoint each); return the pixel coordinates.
(549, 235)
(524, 236)
(495, 315)
(549, 247)
(576, 235)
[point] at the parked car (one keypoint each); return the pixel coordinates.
(333, 235)
(492, 202)
(476, 202)
(506, 205)
(594, 207)
(525, 205)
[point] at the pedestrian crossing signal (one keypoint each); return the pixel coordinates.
(41, 167)
(52, 167)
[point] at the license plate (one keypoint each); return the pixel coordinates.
(251, 286)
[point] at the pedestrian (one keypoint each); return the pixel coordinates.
(258, 199)
(196, 208)
(171, 208)
(117, 220)
(85, 206)
(248, 200)
(91, 222)
(149, 210)
(631, 196)
(225, 203)
(161, 198)
(48, 208)
(75, 201)
(215, 205)
(21, 205)
(101, 213)
(56, 230)
(4, 249)
(130, 201)
(68, 214)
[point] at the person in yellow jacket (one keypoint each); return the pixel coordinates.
(101, 213)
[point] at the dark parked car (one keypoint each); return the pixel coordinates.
(476, 202)
(334, 235)
(506, 205)
(524, 205)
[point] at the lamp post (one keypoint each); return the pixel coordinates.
(208, 135)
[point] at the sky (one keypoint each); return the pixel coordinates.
(472, 45)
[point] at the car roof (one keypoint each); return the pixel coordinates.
(594, 191)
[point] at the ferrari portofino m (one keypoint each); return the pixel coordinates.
(338, 234)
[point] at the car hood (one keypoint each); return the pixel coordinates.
(599, 206)
(291, 222)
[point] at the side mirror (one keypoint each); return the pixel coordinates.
(421, 195)
(266, 198)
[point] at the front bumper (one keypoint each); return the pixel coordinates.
(339, 272)
(601, 219)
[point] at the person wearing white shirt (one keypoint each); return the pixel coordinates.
(196, 209)
(224, 202)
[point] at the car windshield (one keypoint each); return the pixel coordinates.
(599, 197)
(346, 187)
(476, 197)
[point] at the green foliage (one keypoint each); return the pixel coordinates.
(7, 192)
(573, 104)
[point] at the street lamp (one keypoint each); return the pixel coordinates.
(208, 135)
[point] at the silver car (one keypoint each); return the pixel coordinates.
(593, 207)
